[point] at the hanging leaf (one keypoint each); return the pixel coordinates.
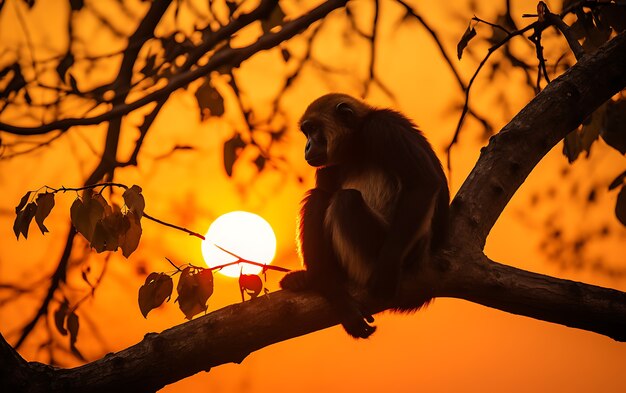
(232, 149)
(260, 162)
(59, 317)
(23, 202)
(64, 65)
(286, 54)
(23, 220)
(16, 83)
(194, 289)
(620, 206)
(108, 231)
(77, 5)
(130, 240)
(251, 284)
(85, 215)
(614, 131)
(467, 36)
(156, 289)
(210, 102)
(134, 200)
(72, 328)
(572, 146)
(618, 181)
(45, 203)
(274, 19)
(148, 68)
(30, 3)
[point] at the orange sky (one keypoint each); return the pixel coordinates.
(451, 346)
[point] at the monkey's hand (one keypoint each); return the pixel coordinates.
(357, 320)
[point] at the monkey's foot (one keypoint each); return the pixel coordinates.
(296, 281)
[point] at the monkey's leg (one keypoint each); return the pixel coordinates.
(324, 274)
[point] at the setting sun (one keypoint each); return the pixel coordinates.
(244, 234)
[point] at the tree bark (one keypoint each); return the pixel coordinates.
(230, 334)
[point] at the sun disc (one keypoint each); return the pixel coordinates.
(241, 233)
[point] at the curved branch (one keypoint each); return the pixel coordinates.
(512, 154)
(227, 56)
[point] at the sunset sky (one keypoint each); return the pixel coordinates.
(451, 346)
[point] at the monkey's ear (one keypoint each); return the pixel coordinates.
(344, 109)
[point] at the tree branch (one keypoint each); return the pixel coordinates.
(513, 153)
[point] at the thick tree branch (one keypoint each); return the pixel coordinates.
(513, 153)
(506, 288)
(228, 56)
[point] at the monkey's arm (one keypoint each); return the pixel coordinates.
(323, 273)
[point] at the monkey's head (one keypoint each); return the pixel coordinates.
(329, 124)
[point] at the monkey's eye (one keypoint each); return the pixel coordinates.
(344, 108)
(307, 127)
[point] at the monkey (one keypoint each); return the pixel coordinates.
(379, 206)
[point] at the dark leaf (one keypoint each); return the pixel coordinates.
(274, 19)
(232, 7)
(23, 220)
(108, 232)
(16, 83)
(286, 54)
(260, 162)
(130, 240)
(251, 284)
(77, 5)
(66, 62)
(74, 84)
(591, 129)
(85, 215)
(194, 289)
(572, 146)
(614, 131)
(30, 3)
(72, 328)
(210, 102)
(232, 149)
(27, 97)
(45, 203)
(618, 181)
(23, 202)
(157, 288)
(134, 200)
(59, 317)
(467, 36)
(620, 206)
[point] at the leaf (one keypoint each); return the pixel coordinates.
(30, 3)
(148, 68)
(591, 128)
(23, 202)
(260, 162)
(77, 5)
(66, 62)
(16, 83)
(157, 288)
(72, 328)
(614, 131)
(618, 181)
(45, 203)
(194, 289)
(23, 220)
(572, 146)
(286, 54)
(108, 232)
(232, 149)
(130, 241)
(85, 215)
(134, 200)
(251, 284)
(620, 206)
(73, 84)
(59, 317)
(210, 102)
(467, 36)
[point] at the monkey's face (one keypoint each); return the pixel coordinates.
(329, 124)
